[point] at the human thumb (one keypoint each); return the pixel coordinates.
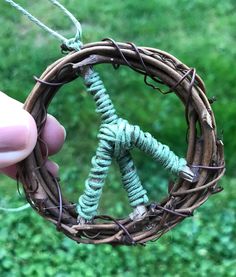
(18, 132)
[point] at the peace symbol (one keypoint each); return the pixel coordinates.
(199, 172)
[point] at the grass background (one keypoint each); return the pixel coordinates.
(202, 35)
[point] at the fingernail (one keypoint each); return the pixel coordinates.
(13, 138)
(64, 130)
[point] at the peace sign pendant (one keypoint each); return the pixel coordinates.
(199, 171)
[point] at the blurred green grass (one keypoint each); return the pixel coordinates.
(201, 34)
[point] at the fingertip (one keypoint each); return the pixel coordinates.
(18, 135)
(53, 135)
(52, 167)
(10, 171)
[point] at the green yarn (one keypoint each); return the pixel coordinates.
(116, 138)
(19, 209)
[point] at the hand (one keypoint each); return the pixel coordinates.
(18, 136)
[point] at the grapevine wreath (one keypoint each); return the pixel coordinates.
(198, 173)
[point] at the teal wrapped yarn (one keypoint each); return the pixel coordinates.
(116, 138)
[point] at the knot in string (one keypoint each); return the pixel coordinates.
(73, 43)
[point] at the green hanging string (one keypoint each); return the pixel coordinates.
(19, 209)
(73, 43)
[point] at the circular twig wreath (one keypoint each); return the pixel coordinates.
(204, 154)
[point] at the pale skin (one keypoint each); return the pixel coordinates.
(18, 136)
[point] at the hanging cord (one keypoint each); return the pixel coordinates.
(19, 209)
(73, 43)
